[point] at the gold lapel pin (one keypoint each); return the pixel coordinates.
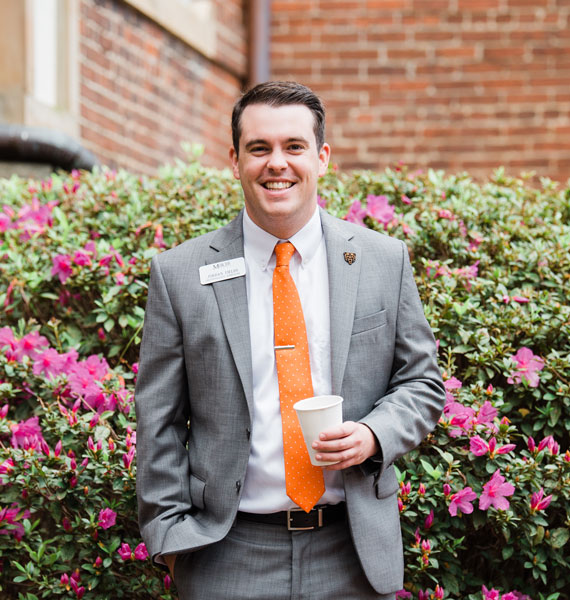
(350, 257)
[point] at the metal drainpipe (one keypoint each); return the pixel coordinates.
(259, 41)
(19, 143)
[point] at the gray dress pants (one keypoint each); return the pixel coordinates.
(256, 561)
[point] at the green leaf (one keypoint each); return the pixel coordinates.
(507, 552)
(555, 413)
(559, 537)
(433, 473)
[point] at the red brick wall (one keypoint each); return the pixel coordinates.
(143, 91)
(454, 84)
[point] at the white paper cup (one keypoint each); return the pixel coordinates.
(317, 414)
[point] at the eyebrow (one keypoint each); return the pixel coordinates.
(256, 142)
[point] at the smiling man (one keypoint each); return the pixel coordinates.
(284, 303)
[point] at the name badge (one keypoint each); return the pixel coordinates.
(228, 269)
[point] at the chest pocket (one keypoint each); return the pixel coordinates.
(369, 322)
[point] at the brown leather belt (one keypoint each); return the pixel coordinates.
(296, 519)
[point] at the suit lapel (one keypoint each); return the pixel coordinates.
(231, 295)
(343, 288)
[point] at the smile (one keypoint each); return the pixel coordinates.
(277, 185)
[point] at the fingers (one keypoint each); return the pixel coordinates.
(347, 445)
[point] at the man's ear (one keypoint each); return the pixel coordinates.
(234, 160)
(324, 157)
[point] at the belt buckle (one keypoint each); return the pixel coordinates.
(319, 520)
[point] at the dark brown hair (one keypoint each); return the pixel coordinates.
(280, 93)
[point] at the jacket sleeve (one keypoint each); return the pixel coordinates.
(162, 408)
(415, 397)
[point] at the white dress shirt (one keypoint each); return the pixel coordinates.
(264, 485)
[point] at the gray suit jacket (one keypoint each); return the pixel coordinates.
(195, 365)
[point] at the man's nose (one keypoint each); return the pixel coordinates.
(277, 161)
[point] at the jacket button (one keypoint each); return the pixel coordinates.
(248, 432)
(238, 486)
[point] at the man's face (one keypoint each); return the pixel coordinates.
(278, 166)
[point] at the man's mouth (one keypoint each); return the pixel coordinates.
(277, 185)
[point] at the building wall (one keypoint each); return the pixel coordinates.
(453, 84)
(143, 91)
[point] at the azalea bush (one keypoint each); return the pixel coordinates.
(484, 501)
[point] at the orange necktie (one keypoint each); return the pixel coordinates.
(304, 482)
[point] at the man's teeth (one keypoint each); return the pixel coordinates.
(277, 185)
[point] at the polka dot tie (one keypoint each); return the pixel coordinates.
(304, 482)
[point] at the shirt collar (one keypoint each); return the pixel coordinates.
(259, 244)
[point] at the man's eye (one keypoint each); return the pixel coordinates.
(296, 147)
(258, 149)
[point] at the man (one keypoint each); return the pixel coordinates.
(217, 498)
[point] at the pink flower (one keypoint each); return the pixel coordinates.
(491, 594)
(167, 582)
(495, 492)
(378, 208)
(537, 502)
(548, 442)
(439, 592)
(11, 516)
(478, 446)
(321, 201)
(445, 214)
(453, 383)
(520, 300)
(79, 590)
(26, 434)
(486, 414)
(461, 501)
(141, 552)
(81, 258)
(7, 339)
(527, 367)
(66, 524)
(5, 468)
(356, 213)
(125, 551)
(49, 362)
(32, 345)
(506, 448)
(128, 457)
(405, 199)
(107, 518)
(62, 267)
